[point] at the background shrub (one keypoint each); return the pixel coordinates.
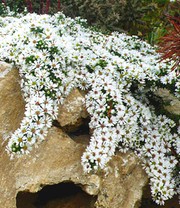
(145, 18)
(37, 6)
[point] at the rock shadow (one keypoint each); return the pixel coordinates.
(63, 195)
(147, 201)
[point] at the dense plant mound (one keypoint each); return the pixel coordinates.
(55, 54)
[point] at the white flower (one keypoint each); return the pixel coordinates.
(56, 54)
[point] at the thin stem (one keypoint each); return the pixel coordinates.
(41, 8)
(29, 6)
(47, 6)
(59, 5)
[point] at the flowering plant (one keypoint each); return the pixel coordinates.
(55, 54)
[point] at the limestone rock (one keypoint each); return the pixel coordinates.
(94, 185)
(58, 158)
(73, 111)
(12, 104)
(11, 114)
(173, 105)
(123, 186)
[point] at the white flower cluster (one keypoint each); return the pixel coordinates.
(55, 54)
(159, 163)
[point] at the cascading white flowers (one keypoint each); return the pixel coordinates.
(56, 54)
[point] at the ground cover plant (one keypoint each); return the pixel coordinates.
(55, 54)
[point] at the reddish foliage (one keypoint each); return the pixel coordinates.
(47, 6)
(4, 2)
(44, 7)
(170, 44)
(29, 6)
(59, 5)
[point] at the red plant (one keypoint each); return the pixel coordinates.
(29, 6)
(47, 6)
(170, 44)
(44, 7)
(4, 2)
(59, 5)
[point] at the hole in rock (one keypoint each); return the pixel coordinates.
(147, 201)
(63, 195)
(79, 134)
(81, 128)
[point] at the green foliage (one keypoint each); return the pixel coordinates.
(16, 6)
(146, 18)
(119, 15)
(157, 24)
(3, 10)
(39, 7)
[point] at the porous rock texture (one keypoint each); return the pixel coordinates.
(58, 160)
(11, 101)
(73, 111)
(172, 104)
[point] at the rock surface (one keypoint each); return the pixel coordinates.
(122, 187)
(11, 114)
(73, 112)
(12, 104)
(58, 160)
(173, 104)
